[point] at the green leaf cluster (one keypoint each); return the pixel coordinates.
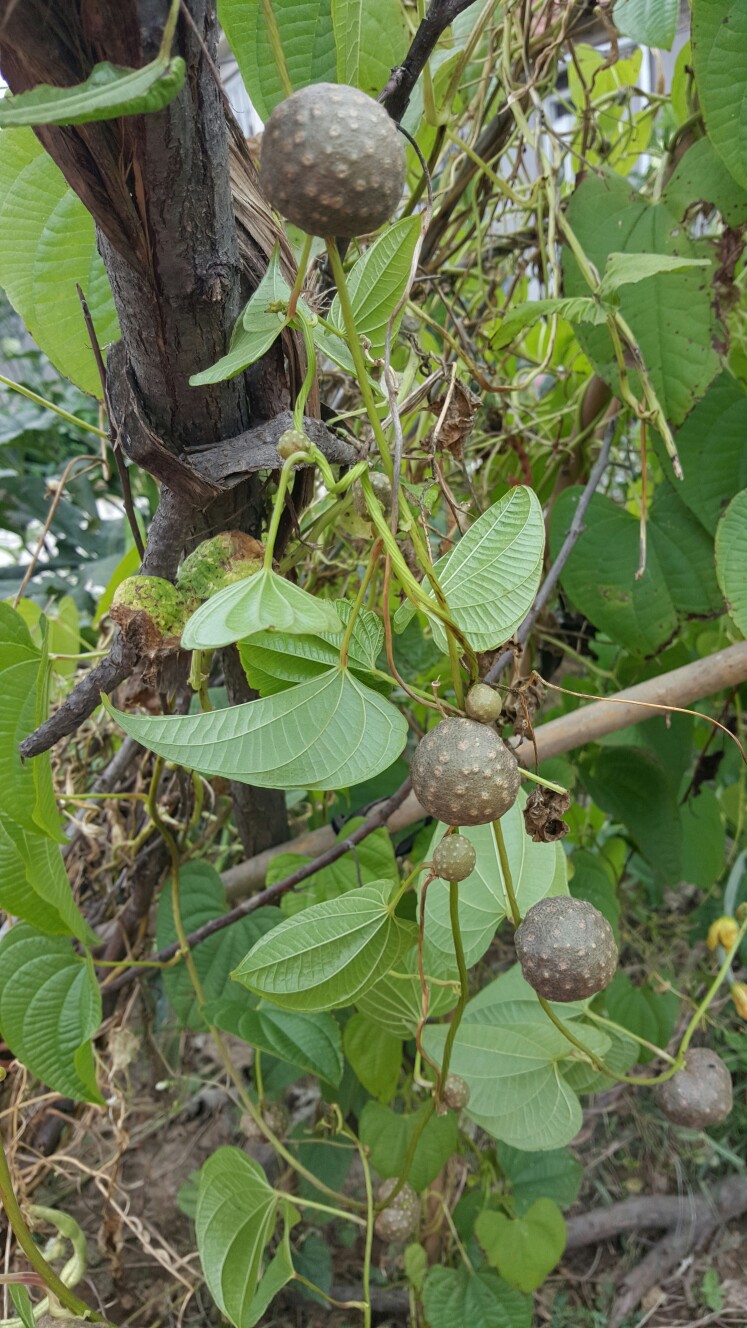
(45, 231)
(523, 1074)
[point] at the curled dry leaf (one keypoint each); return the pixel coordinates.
(522, 703)
(543, 815)
(454, 424)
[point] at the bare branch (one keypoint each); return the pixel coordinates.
(690, 1220)
(397, 93)
(682, 686)
(375, 819)
(84, 698)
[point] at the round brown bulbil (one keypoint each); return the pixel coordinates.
(698, 1095)
(456, 1092)
(464, 774)
(399, 1219)
(483, 703)
(566, 949)
(332, 161)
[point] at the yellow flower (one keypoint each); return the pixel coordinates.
(739, 997)
(723, 931)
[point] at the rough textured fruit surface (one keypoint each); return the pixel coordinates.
(698, 1095)
(464, 774)
(150, 613)
(483, 703)
(275, 1115)
(455, 1092)
(290, 442)
(382, 489)
(400, 1218)
(218, 562)
(454, 858)
(332, 161)
(566, 949)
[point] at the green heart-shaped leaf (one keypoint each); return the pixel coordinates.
(327, 733)
(264, 602)
(523, 1249)
(327, 955)
(600, 575)
(235, 1218)
(491, 577)
(731, 559)
(50, 1007)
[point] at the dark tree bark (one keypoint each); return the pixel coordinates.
(159, 189)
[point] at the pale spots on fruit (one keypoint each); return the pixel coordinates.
(485, 792)
(399, 1219)
(343, 135)
(566, 949)
(454, 858)
(700, 1094)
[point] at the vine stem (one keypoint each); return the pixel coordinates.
(461, 1004)
(363, 1154)
(34, 1255)
(326, 1208)
(596, 1061)
(228, 1065)
(508, 879)
(358, 603)
(277, 507)
(303, 264)
(604, 1022)
(722, 974)
(310, 375)
(169, 29)
(50, 405)
(354, 346)
(537, 779)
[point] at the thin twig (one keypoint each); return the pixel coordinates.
(373, 821)
(397, 93)
(122, 471)
(564, 553)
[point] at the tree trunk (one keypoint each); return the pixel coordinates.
(158, 188)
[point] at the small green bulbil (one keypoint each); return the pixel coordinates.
(382, 490)
(218, 562)
(153, 596)
(150, 613)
